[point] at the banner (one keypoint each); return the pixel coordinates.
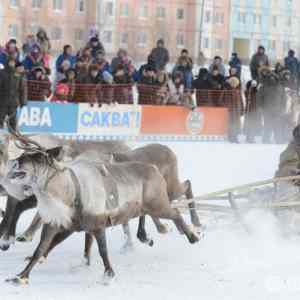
(110, 120)
(130, 122)
(174, 120)
(48, 117)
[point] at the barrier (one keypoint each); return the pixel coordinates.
(126, 122)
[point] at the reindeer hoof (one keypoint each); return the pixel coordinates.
(18, 281)
(108, 277)
(163, 229)
(87, 261)
(24, 238)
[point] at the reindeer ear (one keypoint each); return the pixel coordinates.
(56, 153)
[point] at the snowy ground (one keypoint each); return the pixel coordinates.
(226, 264)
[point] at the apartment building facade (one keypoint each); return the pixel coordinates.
(215, 26)
(131, 24)
(275, 24)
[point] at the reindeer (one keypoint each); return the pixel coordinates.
(89, 197)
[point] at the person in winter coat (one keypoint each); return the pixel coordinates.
(122, 59)
(95, 46)
(101, 62)
(258, 60)
(123, 92)
(236, 63)
(160, 56)
(44, 42)
(13, 93)
(202, 82)
(39, 85)
(33, 59)
(217, 64)
(10, 51)
(28, 44)
(293, 65)
(217, 80)
(289, 164)
(66, 55)
(185, 65)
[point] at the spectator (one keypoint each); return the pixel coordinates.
(102, 62)
(40, 85)
(148, 76)
(150, 63)
(86, 56)
(160, 56)
(81, 68)
(185, 65)
(217, 80)
(44, 42)
(293, 65)
(13, 93)
(71, 81)
(122, 59)
(67, 55)
(33, 59)
(123, 93)
(236, 63)
(95, 46)
(203, 80)
(20, 69)
(64, 67)
(217, 63)
(162, 94)
(11, 51)
(259, 59)
(29, 43)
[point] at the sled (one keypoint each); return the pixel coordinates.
(257, 195)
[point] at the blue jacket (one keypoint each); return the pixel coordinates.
(235, 62)
(292, 64)
(62, 58)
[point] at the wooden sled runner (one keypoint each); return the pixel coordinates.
(243, 192)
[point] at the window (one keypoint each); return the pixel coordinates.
(207, 16)
(13, 31)
(219, 44)
(161, 12)
(80, 6)
(274, 21)
(56, 33)
(109, 9)
(124, 10)
(180, 40)
(272, 45)
(14, 3)
(142, 39)
(107, 36)
(143, 13)
(124, 38)
(206, 43)
(57, 4)
(79, 35)
(257, 19)
(180, 14)
(219, 18)
(36, 4)
(242, 17)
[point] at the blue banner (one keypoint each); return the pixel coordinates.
(46, 117)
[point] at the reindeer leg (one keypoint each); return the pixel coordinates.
(128, 246)
(12, 214)
(109, 273)
(142, 234)
(192, 206)
(48, 233)
(161, 228)
(28, 235)
(87, 248)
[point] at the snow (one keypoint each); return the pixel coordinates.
(227, 264)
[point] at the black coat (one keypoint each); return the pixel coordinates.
(13, 88)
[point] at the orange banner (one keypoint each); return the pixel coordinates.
(182, 121)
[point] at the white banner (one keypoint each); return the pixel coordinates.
(109, 120)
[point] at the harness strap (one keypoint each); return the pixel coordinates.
(77, 201)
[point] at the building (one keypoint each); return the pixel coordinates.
(131, 24)
(140, 24)
(271, 23)
(215, 26)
